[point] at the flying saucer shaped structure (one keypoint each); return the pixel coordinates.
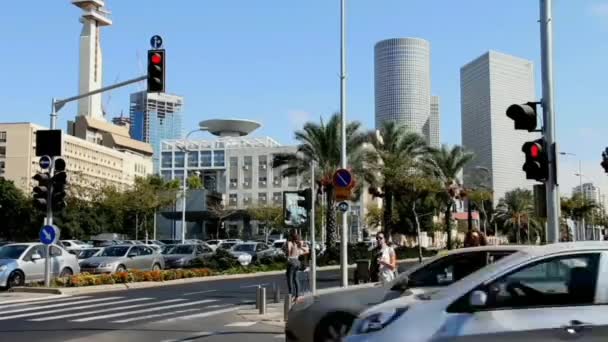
(229, 127)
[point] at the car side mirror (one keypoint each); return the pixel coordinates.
(36, 256)
(478, 299)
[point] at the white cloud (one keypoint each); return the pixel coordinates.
(297, 118)
(599, 9)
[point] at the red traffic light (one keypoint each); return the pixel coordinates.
(156, 58)
(534, 151)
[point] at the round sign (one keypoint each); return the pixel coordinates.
(45, 162)
(342, 178)
(156, 42)
(49, 234)
(343, 206)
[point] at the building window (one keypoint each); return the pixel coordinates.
(263, 162)
(246, 199)
(2, 151)
(166, 159)
(233, 183)
(179, 159)
(248, 162)
(2, 137)
(262, 198)
(247, 183)
(276, 197)
(232, 199)
(262, 181)
(206, 158)
(219, 158)
(192, 159)
(277, 181)
(292, 181)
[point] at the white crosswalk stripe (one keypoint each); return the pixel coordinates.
(240, 324)
(200, 315)
(119, 314)
(36, 301)
(116, 306)
(50, 306)
(164, 314)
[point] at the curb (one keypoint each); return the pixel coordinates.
(149, 284)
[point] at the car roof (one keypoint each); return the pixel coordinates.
(490, 248)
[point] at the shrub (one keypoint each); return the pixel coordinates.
(220, 260)
(106, 279)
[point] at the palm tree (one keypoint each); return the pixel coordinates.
(578, 208)
(446, 164)
(395, 152)
(517, 208)
(320, 142)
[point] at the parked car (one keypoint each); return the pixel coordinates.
(3, 243)
(74, 246)
(22, 263)
(183, 255)
(121, 258)
(547, 293)
(104, 243)
(132, 242)
(86, 253)
(213, 243)
(225, 245)
(315, 318)
(257, 250)
(154, 242)
(171, 242)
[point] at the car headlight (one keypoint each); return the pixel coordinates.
(3, 268)
(378, 321)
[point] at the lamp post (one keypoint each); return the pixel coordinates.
(580, 187)
(483, 168)
(185, 185)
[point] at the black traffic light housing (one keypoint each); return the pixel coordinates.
(537, 162)
(41, 191)
(523, 115)
(305, 203)
(604, 162)
(156, 71)
(59, 183)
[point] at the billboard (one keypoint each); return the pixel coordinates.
(293, 214)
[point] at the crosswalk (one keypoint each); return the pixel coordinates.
(114, 309)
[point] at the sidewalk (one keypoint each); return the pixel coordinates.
(273, 316)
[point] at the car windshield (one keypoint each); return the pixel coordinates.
(12, 252)
(87, 253)
(78, 242)
(227, 245)
(212, 242)
(244, 248)
(181, 249)
(279, 244)
(115, 251)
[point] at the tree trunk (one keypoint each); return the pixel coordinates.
(417, 231)
(387, 219)
(448, 221)
(518, 232)
(330, 220)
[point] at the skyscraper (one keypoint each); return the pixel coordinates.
(402, 82)
(155, 117)
(434, 130)
(488, 86)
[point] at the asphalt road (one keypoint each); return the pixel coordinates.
(205, 311)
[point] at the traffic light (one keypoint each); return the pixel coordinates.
(41, 191)
(537, 163)
(305, 203)
(59, 182)
(524, 116)
(604, 162)
(156, 71)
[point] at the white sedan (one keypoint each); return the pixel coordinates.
(550, 293)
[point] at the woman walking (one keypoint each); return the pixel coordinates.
(386, 260)
(294, 248)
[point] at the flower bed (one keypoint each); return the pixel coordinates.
(86, 279)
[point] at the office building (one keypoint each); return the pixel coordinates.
(156, 117)
(488, 86)
(590, 192)
(402, 86)
(433, 133)
(89, 165)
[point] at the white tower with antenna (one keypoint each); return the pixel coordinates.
(90, 77)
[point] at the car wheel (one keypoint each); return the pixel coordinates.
(16, 278)
(156, 267)
(121, 268)
(66, 272)
(334, 327)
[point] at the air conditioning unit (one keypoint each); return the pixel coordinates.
(246, 167)
(263, 182)
(246, 183)
(233, 184)
(263, 166)
(276, 182)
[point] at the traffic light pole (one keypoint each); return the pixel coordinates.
(49, 221)
(546, 44)
(313, 242)
(343, 161)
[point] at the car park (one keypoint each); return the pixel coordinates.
(184, 255)
(323, 316)
(22, 263)
(548, 293)
(121, 258)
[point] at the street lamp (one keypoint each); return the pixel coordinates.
(580, 187)
(184, 187)
(483, 168)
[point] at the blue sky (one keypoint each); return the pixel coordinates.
(278, 61)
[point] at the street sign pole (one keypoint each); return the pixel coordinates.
(313, 251)
(49, 221)
(343, 161)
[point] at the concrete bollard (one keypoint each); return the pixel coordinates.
(257, 297)
(263, 301)
(286, 307)
(277, 295)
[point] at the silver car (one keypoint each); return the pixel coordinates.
(184, 255)
(257, 250)
(327, 317)
(122, 258)
(22, 263)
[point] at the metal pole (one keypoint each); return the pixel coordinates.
(582, 229)
(262, 301)
(344, 235)
(49, 207)
(546, 37)
(184, 194)
(313, 251)
(154, 233)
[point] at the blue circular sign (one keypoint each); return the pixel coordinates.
(156, 42)
(342, 178)
(44, 162)
(49, 234)
(343, 206)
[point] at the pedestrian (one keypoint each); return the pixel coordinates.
(385, 259)
(294, 249)
(475, 238)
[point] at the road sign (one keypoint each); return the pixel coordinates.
(343, 206)
(49, 234)
(45, 162)
(156, 42)
(342, 178)
(342, 194)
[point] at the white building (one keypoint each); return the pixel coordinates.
(402, 85)
(590, 192)
(488, 86)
